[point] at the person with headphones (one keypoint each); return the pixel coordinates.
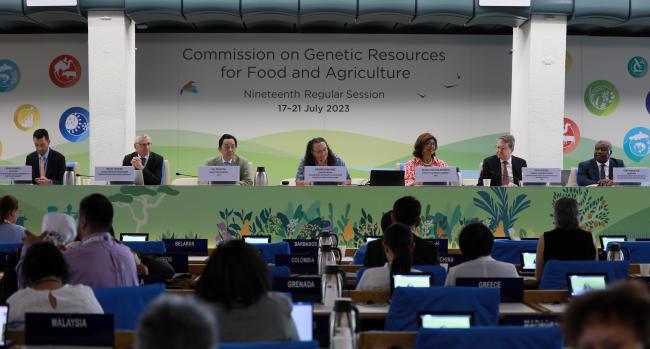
(600, 169)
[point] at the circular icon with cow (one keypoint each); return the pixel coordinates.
(65, 71)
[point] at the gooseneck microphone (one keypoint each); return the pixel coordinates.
(186, 175)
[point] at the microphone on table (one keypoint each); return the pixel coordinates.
(186, 175)
(83, 175)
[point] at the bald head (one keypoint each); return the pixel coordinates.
(602, 151)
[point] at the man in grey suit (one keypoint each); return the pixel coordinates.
(227, 148)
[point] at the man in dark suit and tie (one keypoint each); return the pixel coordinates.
(502, 168)
(600, 169)
(144, 159)
(48, 165)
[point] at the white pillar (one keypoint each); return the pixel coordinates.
(537, 100)
(111, 87)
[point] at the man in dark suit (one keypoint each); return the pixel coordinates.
(600, 169)
(48, 165)
(405, 210)
(502, 168)
(144, 159)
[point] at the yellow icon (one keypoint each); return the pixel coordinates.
(27, 117)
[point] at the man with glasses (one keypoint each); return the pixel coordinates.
(144, 159)
(502, 169)
(227, 148)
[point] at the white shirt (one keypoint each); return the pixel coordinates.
(481, 267)
(78, 299)
(377, 279)
(606, 168)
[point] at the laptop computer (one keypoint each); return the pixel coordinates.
(4, 321)
(387, 178)
(527, 262)
(258, 239)
(436, 319)
(368, 238)
(605, 239)
(134, 237)
(303, 317)
(411, 280)
(580, 283)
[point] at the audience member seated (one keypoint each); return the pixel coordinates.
(9, 230)
(567, 241)
(174, 322)
(615, 318)
(99, 261)
(45, 272)
(476, 242)
(236, 280)
(318, 153)
(424, 154)
(406, 210)
(398, 247)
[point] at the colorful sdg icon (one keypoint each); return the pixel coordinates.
(74, 124)
(637, 143)
(27, 117)
(9, 75)
(601, 97)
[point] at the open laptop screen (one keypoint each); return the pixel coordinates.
(257, 239)
(528, 260)
(581, 283)
(411, 280)
(303, 318)
(4, 314)
(605, 239)
(444, 320)
(134, 237)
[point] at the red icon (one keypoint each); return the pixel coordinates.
(65, 71)
(571, 136)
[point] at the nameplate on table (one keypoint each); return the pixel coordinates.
(179, 261)
(541, 175)
(530, 320)
(435, 174)
(302, 289)
(16, 173)
(89, 330)
(441, 244)
(225, 174)
(303, 246)
(304, 263)
(115, 173)
(193, 247)
(631, 175)
(451, 259)
(333, 174)
(511, 289)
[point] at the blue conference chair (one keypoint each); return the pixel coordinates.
(498, 338)
(6, 247)
(269, 251)
(270, 345)
(508, 250)
(148, 247)
(280, 272)
(637, 251)
(360, 254)
(127, 303)
(407, 302)
(554, 276)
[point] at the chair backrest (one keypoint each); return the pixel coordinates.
(148, 247)
(185, 181)
(166, 179)
(639, 251)
(439, 273)
(554, 276)
(573, 178)
(269, 251)
(280, 271)
(508, 250)
(503, 337)
(10, 246)
(270, 345)
(406, 302)
(127, 303)
(360, 254)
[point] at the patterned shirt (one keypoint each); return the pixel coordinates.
(409, 168)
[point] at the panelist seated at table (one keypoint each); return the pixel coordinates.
(600, 169)
(48, 165)
(319, 153)
(424, 152)
(503, 168)
(228, 157)
(476, 241)
(143, 159)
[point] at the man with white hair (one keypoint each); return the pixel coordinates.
(145, 160)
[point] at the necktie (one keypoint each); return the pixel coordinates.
(144, 161)
(505, 178)
(226, 163)
(41, 165)
(602, 171)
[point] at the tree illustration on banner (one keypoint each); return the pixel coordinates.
(147, 198)
(502, 213)
(594, 211)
